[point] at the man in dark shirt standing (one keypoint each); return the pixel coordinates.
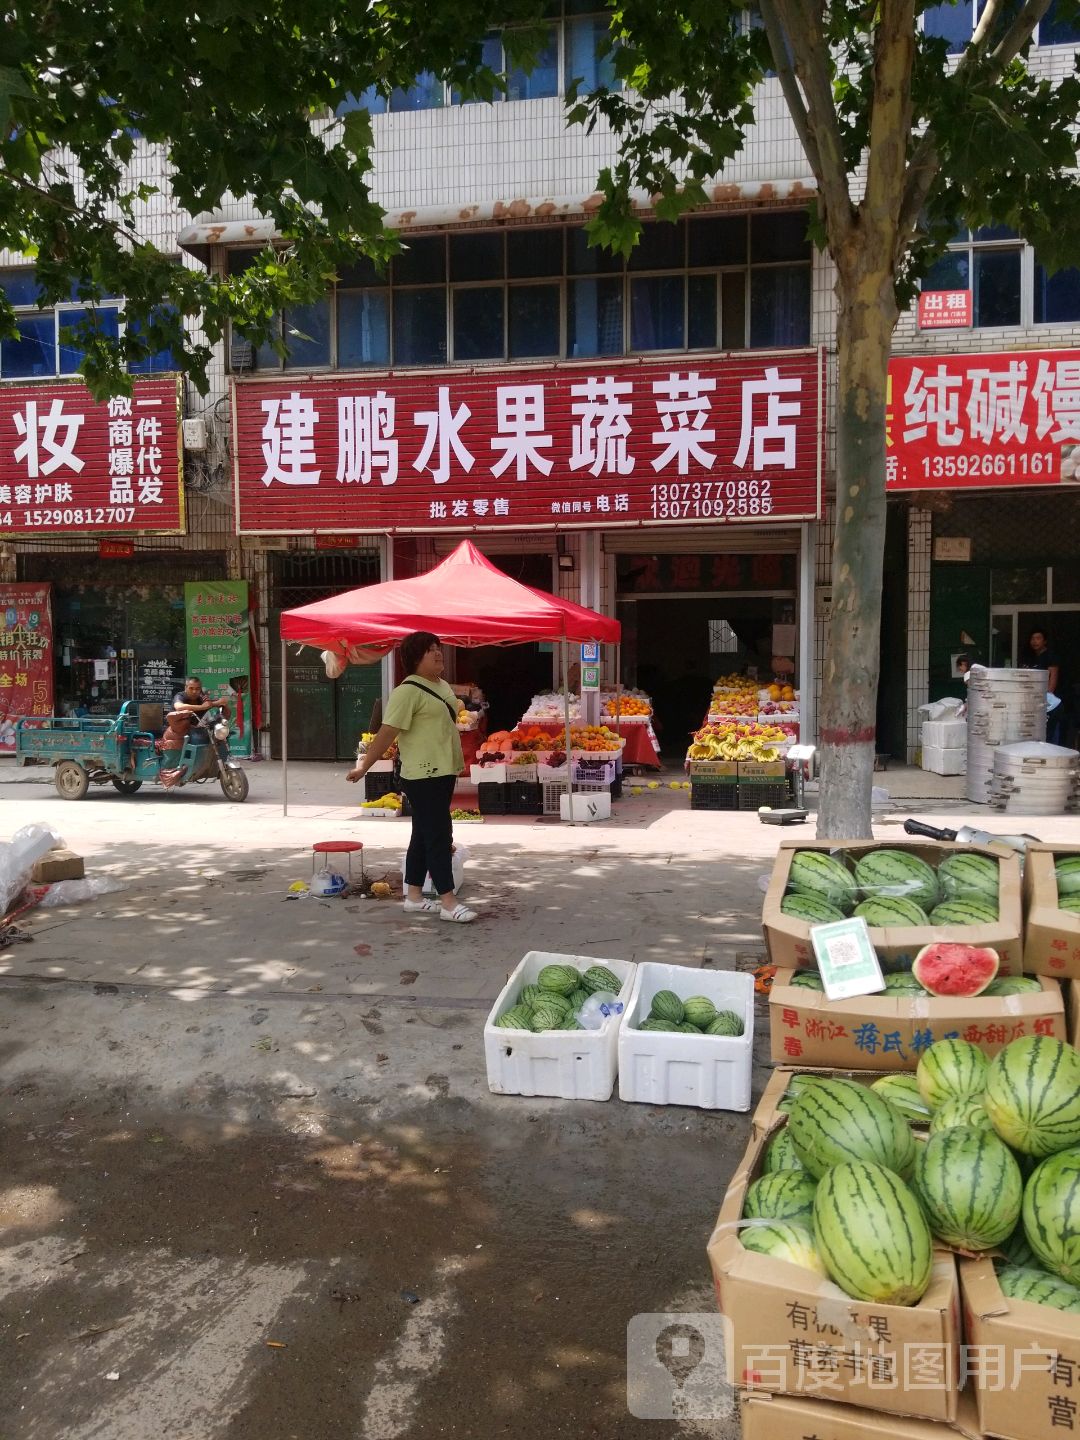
(1041, 657)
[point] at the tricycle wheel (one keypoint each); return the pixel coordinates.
(72, 782)
(126, 787)
(234, 786)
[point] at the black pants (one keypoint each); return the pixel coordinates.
(432, 832)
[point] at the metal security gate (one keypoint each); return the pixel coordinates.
(326, 717)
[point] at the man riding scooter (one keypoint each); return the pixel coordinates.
(187, 720)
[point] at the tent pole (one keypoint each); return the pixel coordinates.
(284, 734)
(566, 712)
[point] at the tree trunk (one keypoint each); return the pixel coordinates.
(847, 717)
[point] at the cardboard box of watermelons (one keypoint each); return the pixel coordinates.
(963, 914)
(784, 1417)
(891, 1031)
(791, 1331)
(1024, 1360)
(1051, 935)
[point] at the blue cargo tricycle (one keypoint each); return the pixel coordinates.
(127, 752)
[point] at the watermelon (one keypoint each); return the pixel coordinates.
(1033, 1095)
(1023, 1282)
(948, 968)
(951, 1070)
(969, 1186)
(578, 998)
(546, 1017)
(571, 1022)
(1016, 1248)
(529, 995)
(814, 872)
(969, 1114)
(1067, 874)
(902, 1091)
(1070, 904)
(780, 1154)
(980, 911)
(687, 1029)
(808, 980)
(1014, 985)
(726, 1023)
(516, 1018)
(897, 874)
(659, 1026)
(810, 908)
(904, 983)
(666, 1005)
(872, 1235)
(798, 1085)
(781, 1195)
(888, 910)
(558, 979)
(966, 875)
(835, 1120)
(555, 1001)
(1052, 1214)
(782, 1240)
(599, 977)
(699, 1011)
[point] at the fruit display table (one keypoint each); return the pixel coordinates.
(641, 746)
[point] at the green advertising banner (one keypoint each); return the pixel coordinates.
(218, 648)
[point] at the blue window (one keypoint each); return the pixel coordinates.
(363, 327)
(372, 100)
(779, 306)
(953, 23)
(533, 321)
(594, 317)
(478, 323)
(1054, 31)
(1057, 296)
(104, 319)
(157, 363)
(656, 312)
(307, 335)
(590, 57)
(420, 326)
(540, 80)
(701, 312)
(491, 55)
(33, 354)
(20, 287)
(425, 93)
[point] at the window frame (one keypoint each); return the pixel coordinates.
(971, 246)
(561, 281)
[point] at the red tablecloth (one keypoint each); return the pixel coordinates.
(471, 740)
(639, 749)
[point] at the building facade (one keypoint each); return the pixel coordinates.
(650, 438)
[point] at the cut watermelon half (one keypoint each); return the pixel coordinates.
(947, 968)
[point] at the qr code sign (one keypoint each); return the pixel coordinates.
(844, 950)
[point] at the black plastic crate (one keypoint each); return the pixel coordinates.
(378, 783)
(752, 795)
(714, 797)
(493, 798)
(526, 797)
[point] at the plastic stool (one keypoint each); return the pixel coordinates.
(338, 847)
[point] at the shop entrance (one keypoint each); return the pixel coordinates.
(679, 636)
(326, 717)
(116, 622)
(511, 675)
(1010, 627)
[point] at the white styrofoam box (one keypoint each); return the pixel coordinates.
(945, 734)
(944, 762)
(569, 1064)
(663, 1068)
(488, 774)
(593, 805)
(380, 767)
(458, 859)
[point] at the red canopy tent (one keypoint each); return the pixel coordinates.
(465, 600)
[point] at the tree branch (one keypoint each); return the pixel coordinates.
(813, 66)
(890, 116)
(926, 162)
(789, 83)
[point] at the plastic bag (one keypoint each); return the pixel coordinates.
(17, 859)
(69, 892)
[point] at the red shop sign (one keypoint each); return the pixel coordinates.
(26, 656)
(945, 310)
(974, 421)
(736, 439)
(71, 465)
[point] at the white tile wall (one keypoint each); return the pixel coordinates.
(918, 637)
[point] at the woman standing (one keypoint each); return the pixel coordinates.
(421, 716)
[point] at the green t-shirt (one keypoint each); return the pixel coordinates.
(429, 742)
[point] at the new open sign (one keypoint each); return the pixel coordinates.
(735, 439)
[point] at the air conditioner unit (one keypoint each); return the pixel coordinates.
(241, 355)
(195, 434)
